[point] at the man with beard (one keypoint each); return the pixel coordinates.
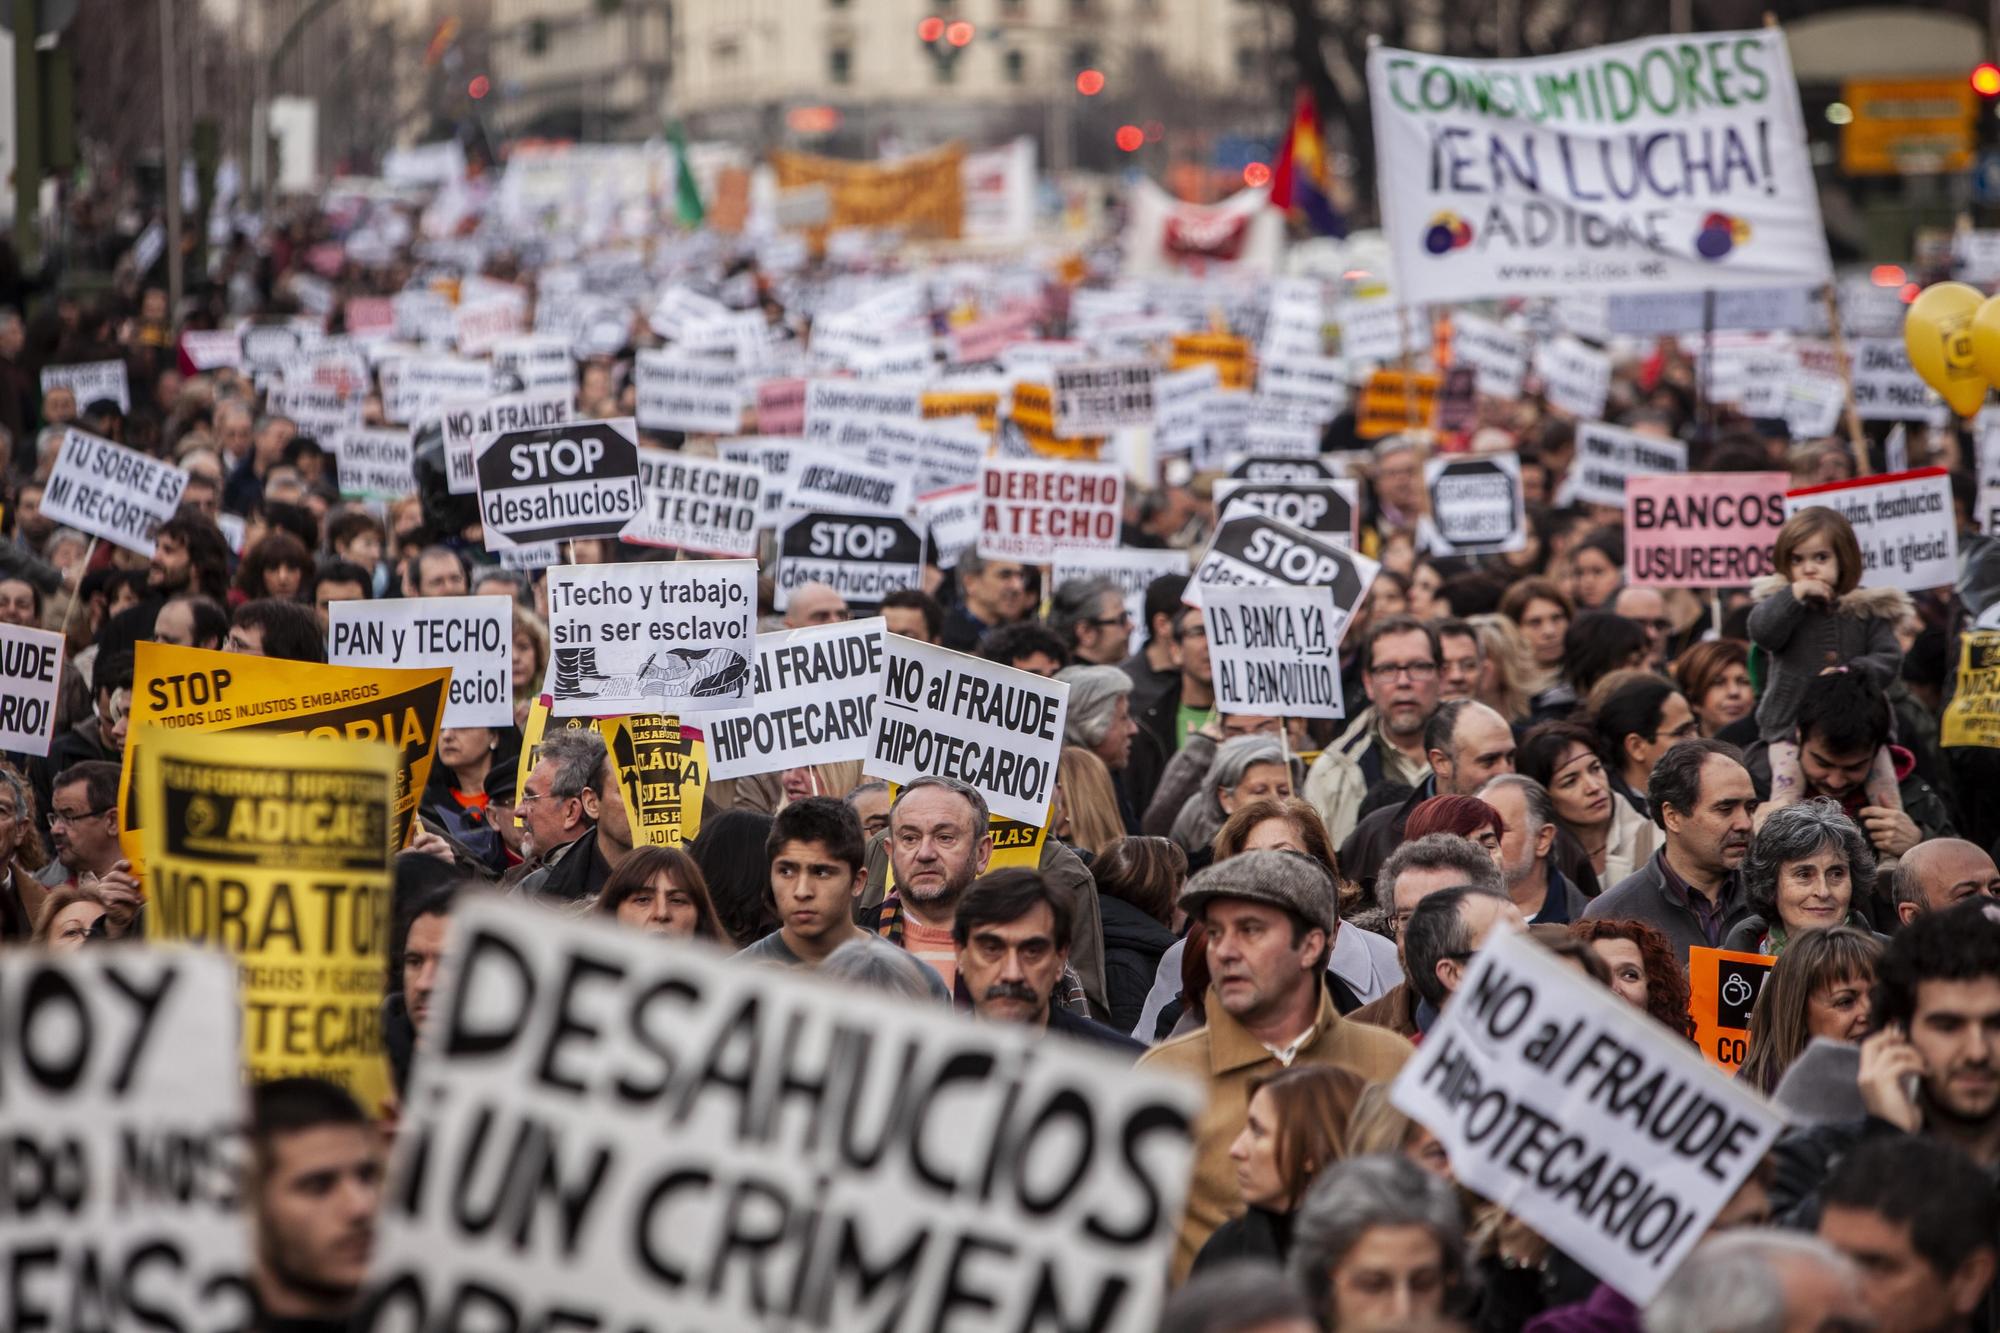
(1012, 930)
(189, 556)
(1399, 666)
(318, 1181)
(1691, 890)
(938, 844)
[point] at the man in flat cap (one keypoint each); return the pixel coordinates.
(1270, 919)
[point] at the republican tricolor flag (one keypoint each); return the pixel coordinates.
(1299, 181)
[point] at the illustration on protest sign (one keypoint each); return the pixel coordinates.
(277, 851)
(1723, 988)
(376, 464)
(1328, 509)
(863, 557)
(559, 483)
(644, 638)
(1667, 164)
(1132, 568)
(1973, 715)
(1036, 509)
(1702, 529)
(1256, 551)
(474, 636)
(662, 768)
(644, 1120)
(947, 714)
(30, 680)
(1607, 456)
(1527, 1080)
(112, 492)
(91, 382)
(1476, 505)
(124, 1097)
(467, 425)
(676, 391)
(697, 504)
(1903, 521)
(1097, 397)
(950, 520)
(193, 689)
(1274, 651)
(815, 702)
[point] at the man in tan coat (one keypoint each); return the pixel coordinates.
(1270, 918)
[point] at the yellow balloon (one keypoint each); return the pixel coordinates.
(1937, 331)
(1986, 339)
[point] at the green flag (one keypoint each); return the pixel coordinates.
(687, 198)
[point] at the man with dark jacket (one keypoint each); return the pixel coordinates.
(1012, 931)
(577, 871)
(1535, 882)
(1167, 715)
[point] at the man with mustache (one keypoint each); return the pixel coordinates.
(1012, 930)
(1691, 890)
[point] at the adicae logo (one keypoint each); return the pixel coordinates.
(1445, 232)
(1719, 234)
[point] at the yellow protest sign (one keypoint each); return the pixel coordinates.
(920, 196)
(984, 405)
(1034, 416)
(1016, 845)
(276, 851)
(1393, 401)
(1725, 985)
(193, 689)
(662, 773)
(1973, 715)
(1230, 355)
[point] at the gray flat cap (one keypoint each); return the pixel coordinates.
(1282, 879)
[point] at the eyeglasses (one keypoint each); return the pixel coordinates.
(1685, 731)
(1388, 671)
(58, 817)
(530, 797)
(1106, 622)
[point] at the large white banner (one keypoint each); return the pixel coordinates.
(1903, 522)
(1667, 164)
(816, 690)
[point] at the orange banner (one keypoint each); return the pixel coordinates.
(1725, 985)
(920, 196)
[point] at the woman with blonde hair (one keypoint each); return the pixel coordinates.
(531, 660)
(1507, 672)
(1085, 813)
(66, 918)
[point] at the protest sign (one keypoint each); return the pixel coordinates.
(211, 349)
(697, 504)
(1886, 387)
(1581, 1115)
(781, 406)
(947, 714)
(815, 689)
(951, 523)
(1329, 509)
(1274, 651)
(277, 852)
(91, 382)
(830, 401)
(376, 464)
(1178, 400)
(863, 557)
(641, 638)
(30, 680)
(474, 636)
(1576, 379)
(1036, 509)
(1476, 505)
(124, 1104)
(1667, 164)
(478, 326)
(322, 412)
(1320, 381)
(1973, 715)
(1229, 354)
(1810, 402)
(193, 689)
(939, 454)
(110, 491)
(980, 405)
(1097, 397)
(1381, 330)
(1393, 401)
(1031, 422)
(558, 483)
(661, 763)
(1132, 568)
(1607, 456)
(1702, 529)
(849, 485)
(1257, 551)
(643, 1119)
(1724, 985)
(542, 364)
(774, 458)
(1903, 522)
(1656, 314)
(680, 392)
(424, 384)
(1497, 355)
(467, 425)
(1256, 467)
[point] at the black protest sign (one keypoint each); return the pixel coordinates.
(559, 483)
(1329, 509)
(1252, 550)
(863, 557)
(1476, 505)
(1264, 467)
(704, 1145)
(123, 1104)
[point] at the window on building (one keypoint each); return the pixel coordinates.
(839, 63)
(1013, 9)
(726, 50)
(1017, 67)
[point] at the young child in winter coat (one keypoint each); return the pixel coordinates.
(1810, 618)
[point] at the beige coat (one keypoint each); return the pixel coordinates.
(1226, 1057)
(1633, 840)
(1335, 785)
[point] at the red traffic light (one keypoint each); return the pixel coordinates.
(1986, 80)
(959, 33)
(478, 88)
(930, 29)
(1129, 138)
(1090, 82)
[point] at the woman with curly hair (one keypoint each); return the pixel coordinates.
(1802, 873)
(277, 566)
(1644, 971)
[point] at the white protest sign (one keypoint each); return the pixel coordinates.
(1654, 314)
(542, 364)
(125, 1106)
(1476, 505)
(1328, 509)
(1275, 651)
(1097, 397)
(467, 425)
(474, 636)
(426, 383)
(678, 392)
(1036, 509)
(1497, 355)
(1606, 455)
(834, 399)
(1886, 388)
(697, 504)
(1320, 381)
(377, 464)
(1903, 522)
(1575, 378)
(1179, 402)
(1381, 330)
(1810, 402)
(90, 381)
(863, 557)
(478, 326)
(1133, 568)
(947, 714)
(212, 349)
(1253, 550)
(1578, 1114)
(940, 453)
(951, 523)
(319, 411)
(849, 484)
(30, 679)
(1295, 323)
(110, 491)
(774, 457)
(919, 1167)
(558, 483)
(1975, 256)
(1667, 164)
(650, 637)
(816, 689)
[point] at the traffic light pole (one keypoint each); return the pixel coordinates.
(170, 155)
(27, 135)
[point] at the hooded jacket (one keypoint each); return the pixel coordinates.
(1133, 945)
(1801, 640)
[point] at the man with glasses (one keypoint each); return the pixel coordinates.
(100, 736)
(21, 894)
(1091, 617)
(552, 806)
(1647, 609)
(1467, 743)
(1174, 714)
(1399, 665)
(83, 824)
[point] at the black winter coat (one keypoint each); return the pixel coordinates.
(1133, 943)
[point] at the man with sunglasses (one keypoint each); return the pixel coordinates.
(83, 824)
